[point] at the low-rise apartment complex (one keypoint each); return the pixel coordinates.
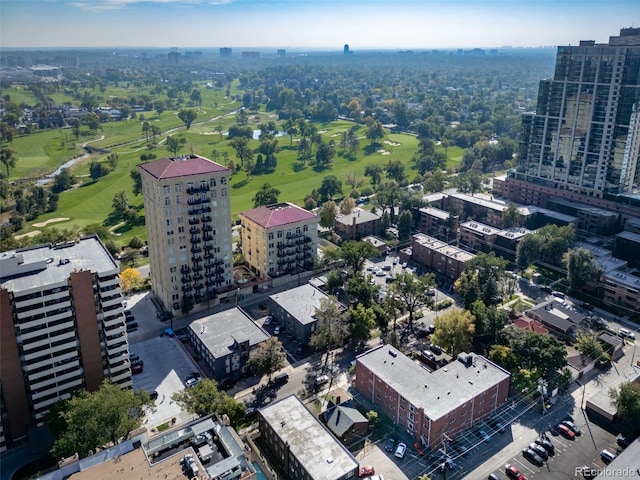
(430, 405)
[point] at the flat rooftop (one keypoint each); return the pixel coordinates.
(435, 212)
(360, 216)
(437, 392)
(633, 237)
(324, 457)
(514, 233)
(301, 302)
(626, 279)
(480, 228)
(34, 268)
(427, 241)
(221, 330)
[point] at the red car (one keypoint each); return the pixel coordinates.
(513, 473)
(566, 432)
(367, 471)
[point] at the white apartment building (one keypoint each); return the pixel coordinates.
(62, 328)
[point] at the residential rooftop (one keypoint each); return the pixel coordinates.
(360, 216)
(321, 455)
(436, 212)
(278, 215)
(301, 302)
(437, 392)
(634, 237)
(621, 278)
(427, 241)
(480, 228)
(32, 268)
(514, 233)
(220, 331)
(183, 166)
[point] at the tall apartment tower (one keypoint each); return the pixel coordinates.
(62, 328)
(584, 137)
(188, 217)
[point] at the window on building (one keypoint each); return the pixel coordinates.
(166, 189)
(167, 201)
(178, 187)
(223, 180)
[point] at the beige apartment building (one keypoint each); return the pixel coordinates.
(188, 217)
(279, 238)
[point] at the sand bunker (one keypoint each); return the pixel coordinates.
(382, 151)
(26, 235)
(53, 220)
(393, 144)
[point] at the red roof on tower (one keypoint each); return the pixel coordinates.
(183, 166)
(277, 214)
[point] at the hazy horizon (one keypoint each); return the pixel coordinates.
(310, 24)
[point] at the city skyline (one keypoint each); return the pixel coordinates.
(363, 24)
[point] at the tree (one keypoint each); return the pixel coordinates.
(490, 321)
(361, 290)
(243, 152)
(267, 195)
(511, 217)
(204, 399)
(626, 399)
(405, 225)
(8, 158)
(388, 197)
(542, 353)
(327, 214)
(548, 243)
(174, 144)
(324, 154)
(484, 278)
(330, 186)
(268, 357)
(469, 182)
(454, 331)
(186, 305)
(187, 116)
(375, 172)
(427, 159)
(63, 181)
(434, 181)
(589, 344)
(395, 171)
(112, 160)
(581, 267)
(331, 326)
(355, 253)
(137, 181)
(95, 170)
(130, 279)
(347, 205)
(146, 129)
(375, 132)
(411, 291)
(120, 204)
(89, 421)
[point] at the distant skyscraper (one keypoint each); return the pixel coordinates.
(584, 137)
(225, 52)
(346, 49)
(187, 211)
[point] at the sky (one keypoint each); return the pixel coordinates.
(363, 24)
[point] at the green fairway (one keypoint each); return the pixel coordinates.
(90, 202)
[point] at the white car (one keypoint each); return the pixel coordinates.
(276, 331)
(400, 450)
(192, 382)
(627, 333)
(322, 379)
(268, 320)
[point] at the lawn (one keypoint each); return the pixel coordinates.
(90, 202)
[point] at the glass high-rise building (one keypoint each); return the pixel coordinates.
(584, 137)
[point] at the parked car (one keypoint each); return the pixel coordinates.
(153, 395)
(400, 450)
(607, 456)
(572, 426)
(268, 320)
(513, 473)
(623, 332)
(539, 449)
(366, 471)
(164, 315)
(533, 457)
(546, 444)
(390, 446)
(322, 379)
(276, 331)
(565, 431)
(588, 472)
(622, 441)
(137, 368)
(132, 326)
(192, 382)
(300, 349)
(493, 476)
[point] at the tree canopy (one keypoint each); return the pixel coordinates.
(267, 195)
(332, 327)
(412, 291)
(355, 253)
(626, 398)
(581, 267)
(89, 421)
(484, 278)
(268, 357)
(454, 331)
(204, 398)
